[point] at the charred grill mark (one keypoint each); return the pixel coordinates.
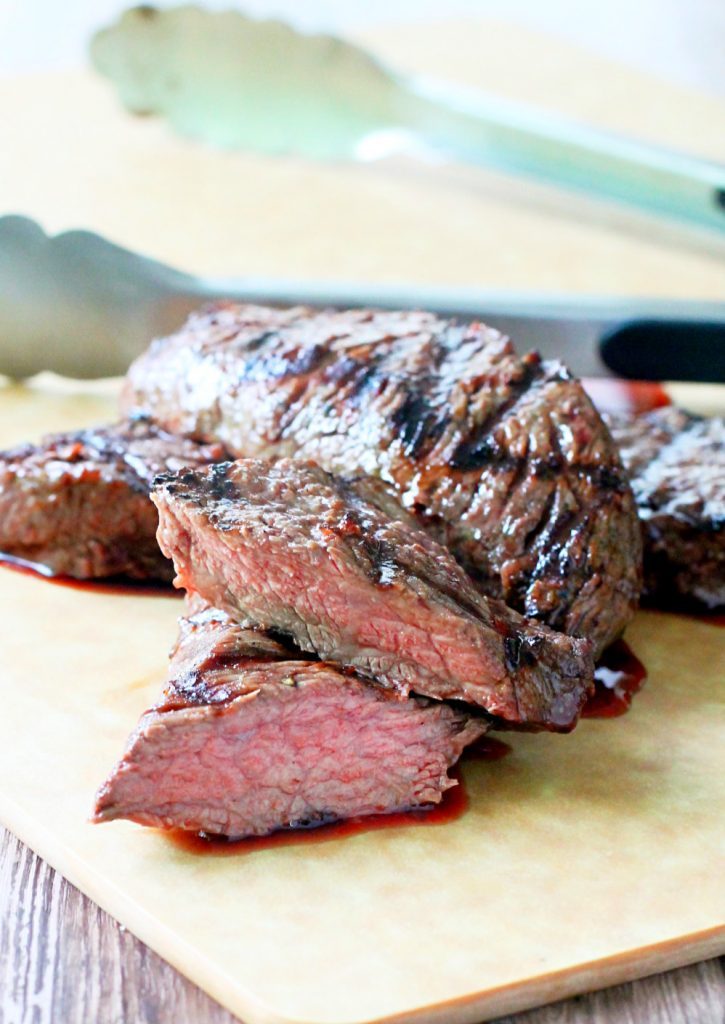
(517, 478)
(198, 686)
(547, 470)
(518, 652)
(548, 541)
(387, 572)
(279, 365)
(214, 484)
(219, 484)
(354, 376)
(368, 379)
(479, 449)
(383, 556)
(287, 640)
(193, 688)
(484, 453)
(608, 478)
(540, 535)
(379, 555)
(357, 376)
(417, 420)
(345, 368)
(418, 424)
(552, 541)
(289, 403)
(552, 564)
(350, 525)
(252, 344)
(225, 651)
(550, 467)
(167, 481)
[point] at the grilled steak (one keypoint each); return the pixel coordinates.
(78, 503)
(249, 737)
(677, 467)
(503, 457)
(286, 546)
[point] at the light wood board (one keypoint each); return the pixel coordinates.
(64, 959)
(583, 860)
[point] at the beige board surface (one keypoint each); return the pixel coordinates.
(582, 859)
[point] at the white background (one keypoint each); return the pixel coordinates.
(682, 40)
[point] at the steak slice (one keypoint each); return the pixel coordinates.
(249, 737)
(503, 457)
(286, 546)
(677, 467)
(78, 503)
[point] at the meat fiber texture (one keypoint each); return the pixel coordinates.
(250, 737)
(288, 547)
(677, 467)
(502, 457)
(78, 503)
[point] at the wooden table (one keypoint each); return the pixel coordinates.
(63, 959)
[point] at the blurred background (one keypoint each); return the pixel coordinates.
(683, 42)
(651, 71)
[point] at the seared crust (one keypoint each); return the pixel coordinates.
(288, 547)
(77, 503)
(502, 457)
(677, 466)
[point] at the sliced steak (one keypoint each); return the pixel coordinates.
(289, 547)
(250, 737)
(502, 456)
(677, 467)
(78, 503)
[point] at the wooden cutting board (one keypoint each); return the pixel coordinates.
(583, 860)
